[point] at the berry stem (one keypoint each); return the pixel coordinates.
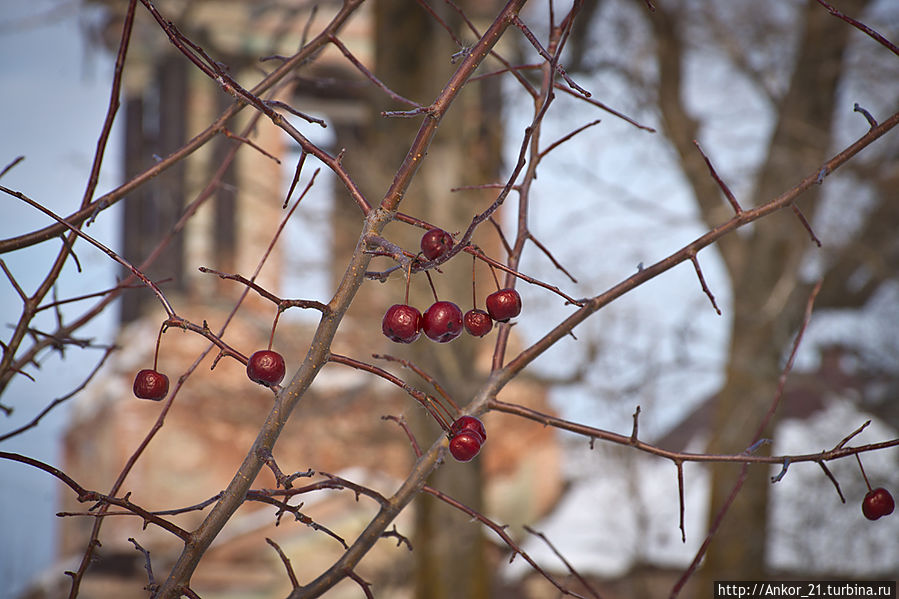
(408, 282)
(158, 341)
(474, 296)
(495, 279)
(431, 283)
(271, 337)
(438, 416)
(427, 377)
(865, 476)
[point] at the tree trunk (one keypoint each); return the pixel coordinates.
(768, 295)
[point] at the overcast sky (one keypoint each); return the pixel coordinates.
(55, 93)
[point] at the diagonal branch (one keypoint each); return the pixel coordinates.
(318, 356)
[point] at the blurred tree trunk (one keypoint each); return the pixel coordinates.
(763, 263)
(413, 56)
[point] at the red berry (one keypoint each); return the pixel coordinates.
(465, 445)
(442, 322)
(149, 384)
(477, 322)
(503, 304)
(266, 367)
(436, 243)
(402, 323)
(468, 423)
(877, 503)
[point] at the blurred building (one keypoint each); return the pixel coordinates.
(214, 419)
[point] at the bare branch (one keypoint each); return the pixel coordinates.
(286, 561)
(724, 188)
(568, 565)
(833, 480)
(861, 27)
(705, 288)
(501, 533)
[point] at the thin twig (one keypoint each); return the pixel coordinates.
(806, 224)
(60, 400)
(369, 75)
(546, 56)
(117, 258)
(148, 566)
(561, 557)
(501, 532)
(727, 192)
(567, 137)
(833, 479)
(705, 287)
(861, 27)
(401, 421)
(11, 165)
(849, 437)
(294, 583)
(417, 370)
(426, 401)
(680, 498)
(295, 112)
(252, 144)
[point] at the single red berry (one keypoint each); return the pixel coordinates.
(442, 322)
(468, 423)
(266, 367)
(402, 323)
(465, 445)
(436, 243)
(477, 322)
(149, 384)
(504, 304)
(878, 502)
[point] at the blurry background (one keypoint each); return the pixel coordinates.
(768, 93)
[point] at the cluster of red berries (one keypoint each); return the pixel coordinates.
(467, 434)
(444, 321)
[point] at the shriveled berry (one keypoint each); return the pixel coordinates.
(435, 243)
(503, 305)
(477, 322)
(878, 502)
(402, 323)
(465, 445)
(150, 384)
(470, 423)
(442, 322)
(266, 367)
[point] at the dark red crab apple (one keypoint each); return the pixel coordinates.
(504, 304)
(436, 243)
(477, 322)
(469, 423)
(878, 502)
(442, 322)
(465, 445)
(401, 323)
(150, 384)
(266, 367)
